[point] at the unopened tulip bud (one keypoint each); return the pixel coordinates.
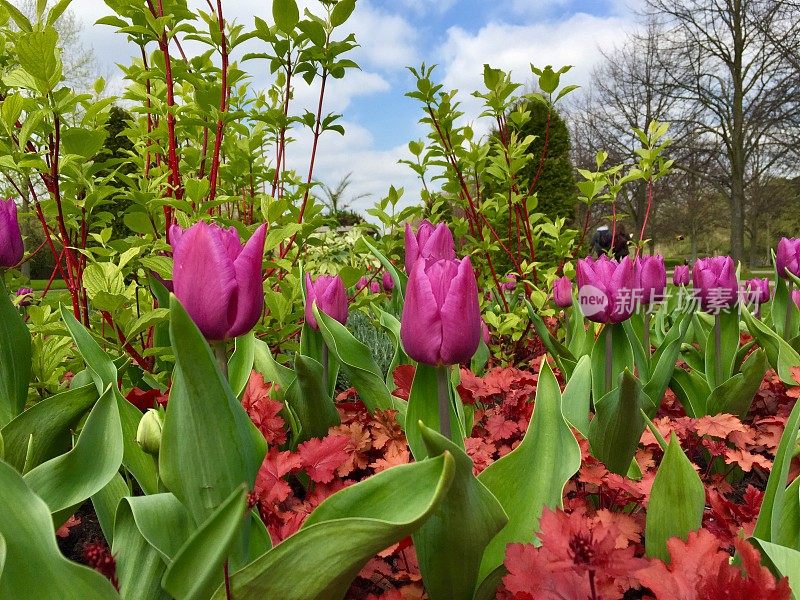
(330, 296)
(715, 282)
(787, 258)
(651, 278)
(680, 276)
(562, 292)
(148, 434)
(388, 282)
(428, 242)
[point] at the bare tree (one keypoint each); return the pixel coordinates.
(334, 198)
(733, 86)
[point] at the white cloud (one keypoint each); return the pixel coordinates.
(572, 41)
(424, 7)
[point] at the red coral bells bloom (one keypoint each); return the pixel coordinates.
(429, 242)
(605, 289)
(331, 298)
(11, 248)
(218, 280)
(715, 282)
(787, 259)
(441, 322)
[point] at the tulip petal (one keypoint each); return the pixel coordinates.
(412, 249)
(247, 266)
(461, 317)
(311, 297)
(204, 280)
(421, 325)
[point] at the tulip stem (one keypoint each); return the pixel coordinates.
(787, 322)
(325, 360)
(646, 332)
(718, 348)
(609, 356)
(221, 354)
(443, 385)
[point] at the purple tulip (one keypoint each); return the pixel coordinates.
(606, 289)
(757, 290)
(375, 287)
(25, 295)
(487, 337)
(715, 282)
(796, 297)
(509, 283)
(218, 280)
(441, 322)
(362, 283)
(788, 257)
(651, 277)
(331, 298)
(562, 292)
(388, 282)
(680, 276)
(11, 248)
(429, 242)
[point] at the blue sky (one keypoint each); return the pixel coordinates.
(458, 35)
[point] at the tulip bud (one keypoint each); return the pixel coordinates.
(562, 292)
(796, 298)
(388, 282)
(509, 284)
(441, 322)
(375, 287)
(362, 283)
(11, 248)
(715, 282)
(680, 276)
(487, 337)
(330, 296)
(651, 278)
(787, 259)
(148, 434)
(429, 242)
(24, 296)
(218, 280)
(605, 289)
(757, 290)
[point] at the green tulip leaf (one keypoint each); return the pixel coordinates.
(769, 516)
(735, 395)
(44, 430)
(104, 374)
(783, 561)
(617, 427)
(105, 503)
(344, 532)
(789, 525)
(579, 338)
(533, 475)
(34, 566)
(71, 478)
(676, 504)
(691, 389)
(399, 284)
(209, 445)
(780, 354)
(663, 362)
(311, 345)
(576, 399)
(240, 364)
(140, 567)
(15, 359)
(391, 325)
(196, 570)
(270, 369)
(467, 519)
(161, 520)
(356, 360)
(309, 400)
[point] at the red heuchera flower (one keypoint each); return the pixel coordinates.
(98, 556)
(698, 570)
(144, 399)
